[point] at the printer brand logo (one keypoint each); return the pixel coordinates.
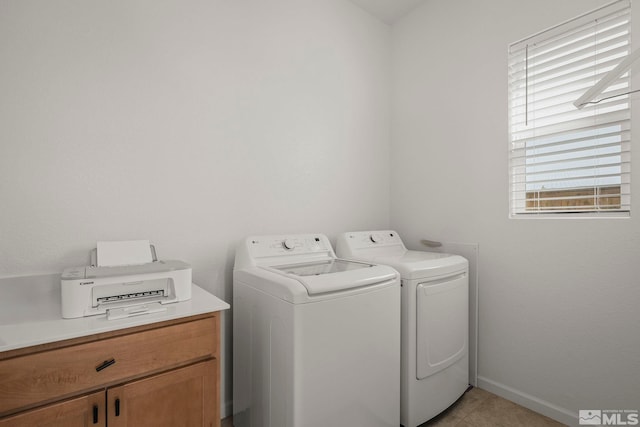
(86, 283)
(615, 417)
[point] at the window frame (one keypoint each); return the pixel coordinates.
(518, 180)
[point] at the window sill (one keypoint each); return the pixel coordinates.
(571, 215)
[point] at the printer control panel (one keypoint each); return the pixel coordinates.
(73, 273)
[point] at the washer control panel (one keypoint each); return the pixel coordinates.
(288, 244)
(280, 245)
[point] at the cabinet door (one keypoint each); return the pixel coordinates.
(185, 397)
(85, 411)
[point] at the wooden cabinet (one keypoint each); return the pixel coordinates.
(84, 411)
(164, 374)
(182, 397)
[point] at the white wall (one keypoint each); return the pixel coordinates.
(192, 124)
(559, 299)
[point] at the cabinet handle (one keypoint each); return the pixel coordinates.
(105, 364)
(117, 407)
(95, 414)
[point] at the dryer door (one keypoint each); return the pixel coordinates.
(442, 323)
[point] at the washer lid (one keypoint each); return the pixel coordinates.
(323, 267)
(422, 265)
(335, 275)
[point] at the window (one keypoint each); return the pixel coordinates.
(565, 159)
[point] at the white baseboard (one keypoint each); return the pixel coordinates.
(540, 406)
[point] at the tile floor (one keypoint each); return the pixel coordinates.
(479, 408)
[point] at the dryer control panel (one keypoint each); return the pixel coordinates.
(367, 239)
(369, 244)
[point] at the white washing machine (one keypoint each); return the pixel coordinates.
(435, 327)
(316, 340)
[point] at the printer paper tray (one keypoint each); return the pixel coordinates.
(134, 310)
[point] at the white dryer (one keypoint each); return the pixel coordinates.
(435, 337)
(316, 340)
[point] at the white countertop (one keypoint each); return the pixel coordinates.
(31, 314)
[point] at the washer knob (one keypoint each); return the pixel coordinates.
(288, 244)
(374, 238)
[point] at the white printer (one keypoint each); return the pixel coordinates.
(123, 291)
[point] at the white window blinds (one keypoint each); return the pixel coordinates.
(564, 159)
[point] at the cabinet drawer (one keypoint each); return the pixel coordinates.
(41, 377)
